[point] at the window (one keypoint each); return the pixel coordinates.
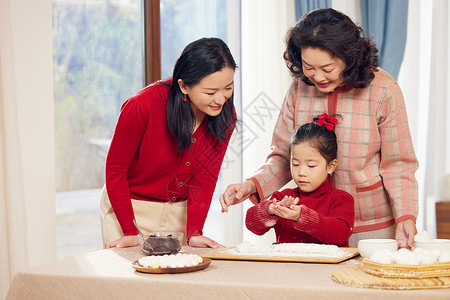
(98, 63)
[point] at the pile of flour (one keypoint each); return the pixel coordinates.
(287, 249)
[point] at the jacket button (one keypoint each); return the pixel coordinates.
(194, 140)
(174, 198)
(187, 164)
(180, 183)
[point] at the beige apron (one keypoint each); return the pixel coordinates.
(150, 216)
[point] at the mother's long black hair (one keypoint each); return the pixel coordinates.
(199, 59)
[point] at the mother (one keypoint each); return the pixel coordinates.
(335, 70)
(167, 149)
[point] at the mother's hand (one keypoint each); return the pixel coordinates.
(236, 193)
(201, 241)
(125, 241)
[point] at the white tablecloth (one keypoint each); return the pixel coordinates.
(107, 274)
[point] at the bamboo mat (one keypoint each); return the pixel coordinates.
(356, 277)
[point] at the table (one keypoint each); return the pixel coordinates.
(107, 274)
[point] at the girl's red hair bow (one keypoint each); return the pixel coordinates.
(326, 120)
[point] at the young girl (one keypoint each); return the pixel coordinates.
(167, 149)
(315, 211)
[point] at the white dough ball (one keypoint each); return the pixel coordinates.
(436, 252)
(403, 251)
(445, 256)
(426, 252)
(397, 256)
(382, 256)
(418, 251)
(382, 252)
(419, 257)
(429, 259)
(407, 259)
(382, 259)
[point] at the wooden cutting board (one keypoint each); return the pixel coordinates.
(346, 253)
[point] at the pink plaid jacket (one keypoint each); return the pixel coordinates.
(376, 159)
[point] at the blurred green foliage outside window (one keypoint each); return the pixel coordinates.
(98, 63)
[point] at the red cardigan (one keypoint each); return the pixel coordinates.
(326, 217)
(143, 162)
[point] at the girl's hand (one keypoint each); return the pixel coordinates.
(289, 201)
(201, 241)
(125, 241)
(271, 206)
(292, 212)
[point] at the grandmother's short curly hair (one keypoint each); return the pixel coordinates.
(335, 32)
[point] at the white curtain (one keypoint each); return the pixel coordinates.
(27, 213)
(265, 81)
(425, 80)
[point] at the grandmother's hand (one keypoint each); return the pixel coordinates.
(123, 242)
(236, 193)
(405, 232)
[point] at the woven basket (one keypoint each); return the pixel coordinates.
(354, 276)
(406, 271)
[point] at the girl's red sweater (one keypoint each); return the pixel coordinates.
(326, 217)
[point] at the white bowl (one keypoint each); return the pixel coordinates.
(441, 244)
(368, 246)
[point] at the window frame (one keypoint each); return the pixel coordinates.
(152, 41)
